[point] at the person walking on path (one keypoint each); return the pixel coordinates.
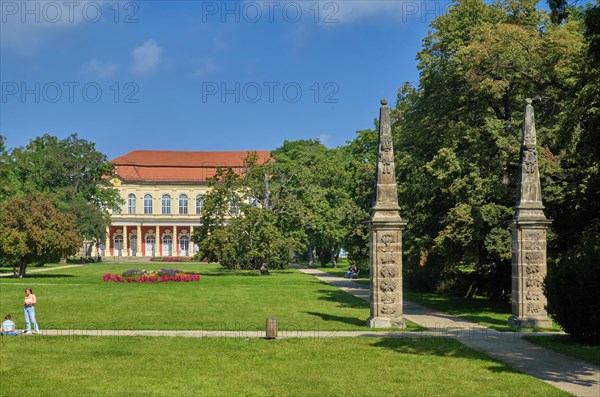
(8, 327)
(29, 309)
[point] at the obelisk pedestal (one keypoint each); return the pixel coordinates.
(529, 227)
(385, 227)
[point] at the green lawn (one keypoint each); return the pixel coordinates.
(566, 345)
(164, 366)
(77, 298)
(479, 310)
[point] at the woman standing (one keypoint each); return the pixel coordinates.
(29, 303)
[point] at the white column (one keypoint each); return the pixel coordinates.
(107, 243)
(125, 245)
(139, 241)
(158, 248)
(175, 241)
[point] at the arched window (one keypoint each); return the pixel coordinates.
(184, 245)
(166, 204)
(167, 248)
(183, 204)
(148, 204)
(199, 203)
(133, 245)
(131, 203)
(118, 244)
(150, 245)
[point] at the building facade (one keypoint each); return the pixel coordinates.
(163, 195)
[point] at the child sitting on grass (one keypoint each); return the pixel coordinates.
(8, 327)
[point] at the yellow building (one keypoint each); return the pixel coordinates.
(163, 193)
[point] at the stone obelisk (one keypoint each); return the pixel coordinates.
(528, 228)
(386, 226)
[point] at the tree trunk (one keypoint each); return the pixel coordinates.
(14, 265)
(22, 267)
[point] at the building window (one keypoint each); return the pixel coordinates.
(150, 245)
(167, 248)
(199, 203)
(184, 245)
(183, 204)
(234, 206)
(166, 204)
(118, 244)
(131, 204)
(148, 204)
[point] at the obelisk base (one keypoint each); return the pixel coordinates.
(542, 322)
(386, 322)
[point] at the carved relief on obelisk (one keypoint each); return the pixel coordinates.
(386, 228)
(529, 226)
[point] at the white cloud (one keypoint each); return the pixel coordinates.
(204, 67)
(99, 68)
(26, 26)
(324, 138)
(146, 58)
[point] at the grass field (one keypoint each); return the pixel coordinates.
(141, 366)
(77, 298)
(479, 310)
(566, 345)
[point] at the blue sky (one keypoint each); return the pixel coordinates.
(204, 75)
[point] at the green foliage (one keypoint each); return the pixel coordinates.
(573, 289)
(300, 200)
(239, 226)
(75, 173)
(33, 230)
(458, 137)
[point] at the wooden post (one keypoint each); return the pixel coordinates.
(271, 328)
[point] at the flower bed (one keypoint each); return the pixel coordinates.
(151, 276)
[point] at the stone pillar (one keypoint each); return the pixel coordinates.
(125, 238)
(107, 244)
(386, 228)
(528, 229)
(175, 242)
(158, 242)
(139, 241)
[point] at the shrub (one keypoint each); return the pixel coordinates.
(573, 289)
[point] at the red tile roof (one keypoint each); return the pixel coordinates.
(176, 166)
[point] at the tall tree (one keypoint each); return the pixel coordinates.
(75, 173)
(459, 136)
(32, 229)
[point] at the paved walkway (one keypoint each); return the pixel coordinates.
(574, 376)
(46, 269)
